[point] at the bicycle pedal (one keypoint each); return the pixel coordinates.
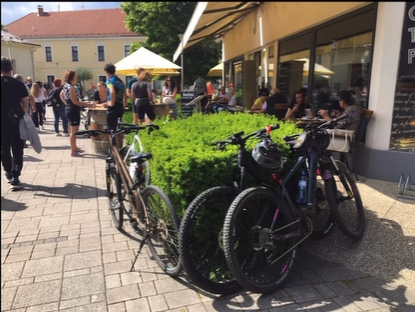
(114, 206)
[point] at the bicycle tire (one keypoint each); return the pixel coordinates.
(347, 211)
(200, 243)
(163, 237)
(252, 257)
(322, 219)
(115, 197)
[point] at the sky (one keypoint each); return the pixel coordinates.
(11, 11)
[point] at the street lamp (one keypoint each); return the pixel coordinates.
(182, 75)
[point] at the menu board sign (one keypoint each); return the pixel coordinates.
(187, 97)
(403, 119)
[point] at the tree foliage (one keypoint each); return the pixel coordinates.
(161, 22)
(84, 74)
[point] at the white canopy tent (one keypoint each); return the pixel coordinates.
(148, 60)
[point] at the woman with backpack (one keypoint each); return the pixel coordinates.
(58, 107)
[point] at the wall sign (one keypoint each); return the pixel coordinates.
(407, 57)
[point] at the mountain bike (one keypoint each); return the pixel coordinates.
(264, 226)
(200, 235)
(150, 211)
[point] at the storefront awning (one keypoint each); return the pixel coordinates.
(212, 19)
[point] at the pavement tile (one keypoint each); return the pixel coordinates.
(94, 307)
(76, 273)
(302, 294)
(129, 278)
(120, 307)
(181, 298)
(7, 296)
(108, 247)
(123, 293)
(117, 267)
(44, 307)
(157, 303)
(71, 303)
(82, 260)
(67, 250)
(43, 266)
(83, 285)
(48, 277)
(38, 293)
(113, 281)
(43, 254)
(20, 250)
(18, 257)
(19, 282)
(147, 289)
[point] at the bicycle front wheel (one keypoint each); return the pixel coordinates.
(345, 203)
(200, 241)
(260, 258)
(163, 236)
(115, 196)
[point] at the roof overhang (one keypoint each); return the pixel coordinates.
(213, 19)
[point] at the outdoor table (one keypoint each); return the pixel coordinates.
(305, 121)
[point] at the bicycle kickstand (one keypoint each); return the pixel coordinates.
(139, 250)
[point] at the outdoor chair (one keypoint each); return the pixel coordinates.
(359, 139)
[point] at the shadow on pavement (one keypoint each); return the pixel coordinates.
(11, 205)
(70, 190)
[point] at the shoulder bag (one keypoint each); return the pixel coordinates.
(340, 140)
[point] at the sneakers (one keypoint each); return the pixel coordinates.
(9, 177)
(42, 127)
(65, 134)
(76, 154)
(16, 184)
(79, 150)
(58, 134)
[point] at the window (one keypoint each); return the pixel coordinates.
(101, 53)
(127, 49)
(50, 79)
(48, 53)
(75, 54)
(102, 78)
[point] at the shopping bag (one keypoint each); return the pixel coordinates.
(29, 132)
(340, 140)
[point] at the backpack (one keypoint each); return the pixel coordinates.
(55, 98)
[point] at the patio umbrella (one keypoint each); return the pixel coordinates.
(148, 60)
(216, 71)
(318, 69)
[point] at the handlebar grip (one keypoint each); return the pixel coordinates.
(154, 127)
(83, 132)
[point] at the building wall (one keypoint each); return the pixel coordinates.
(279, 20)
(22, 55)
(87, 52)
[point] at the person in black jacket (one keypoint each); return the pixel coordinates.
(275, 98)
(58, 107)
(14, 95)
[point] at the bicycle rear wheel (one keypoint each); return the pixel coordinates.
(163, 237)
(322, 219)
(200, 241)
(260, 260)
(115, 196)
(345, 203)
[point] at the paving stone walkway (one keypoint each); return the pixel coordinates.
(60, 251)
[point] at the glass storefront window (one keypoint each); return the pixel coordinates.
(342, 65)
(270, 67)
(293, 72)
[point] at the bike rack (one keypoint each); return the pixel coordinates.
(405, 189)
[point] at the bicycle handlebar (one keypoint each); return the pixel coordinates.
(333, 122)
(237, 139)
(125, 128)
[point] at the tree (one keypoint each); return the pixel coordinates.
(161, 22)
(84, 74)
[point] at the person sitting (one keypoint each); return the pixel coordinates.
(347, 102)
(297, 107)
(220, 101)
(232, 98)
(275, 98)
(259, 102)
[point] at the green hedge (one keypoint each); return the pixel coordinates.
(185, 163)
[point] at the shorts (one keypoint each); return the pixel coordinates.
(148, 109)
(74, 117)
(112, 118)
(135, 109)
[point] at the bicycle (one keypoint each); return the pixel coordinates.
(202, 255)
(150, 210)
(263, 227)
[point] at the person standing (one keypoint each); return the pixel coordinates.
(13, 93)
(200, 87)
(37, 113)
(73, 109)
(143, 97)
(129, 94)
(58, 107)
(170, 91)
